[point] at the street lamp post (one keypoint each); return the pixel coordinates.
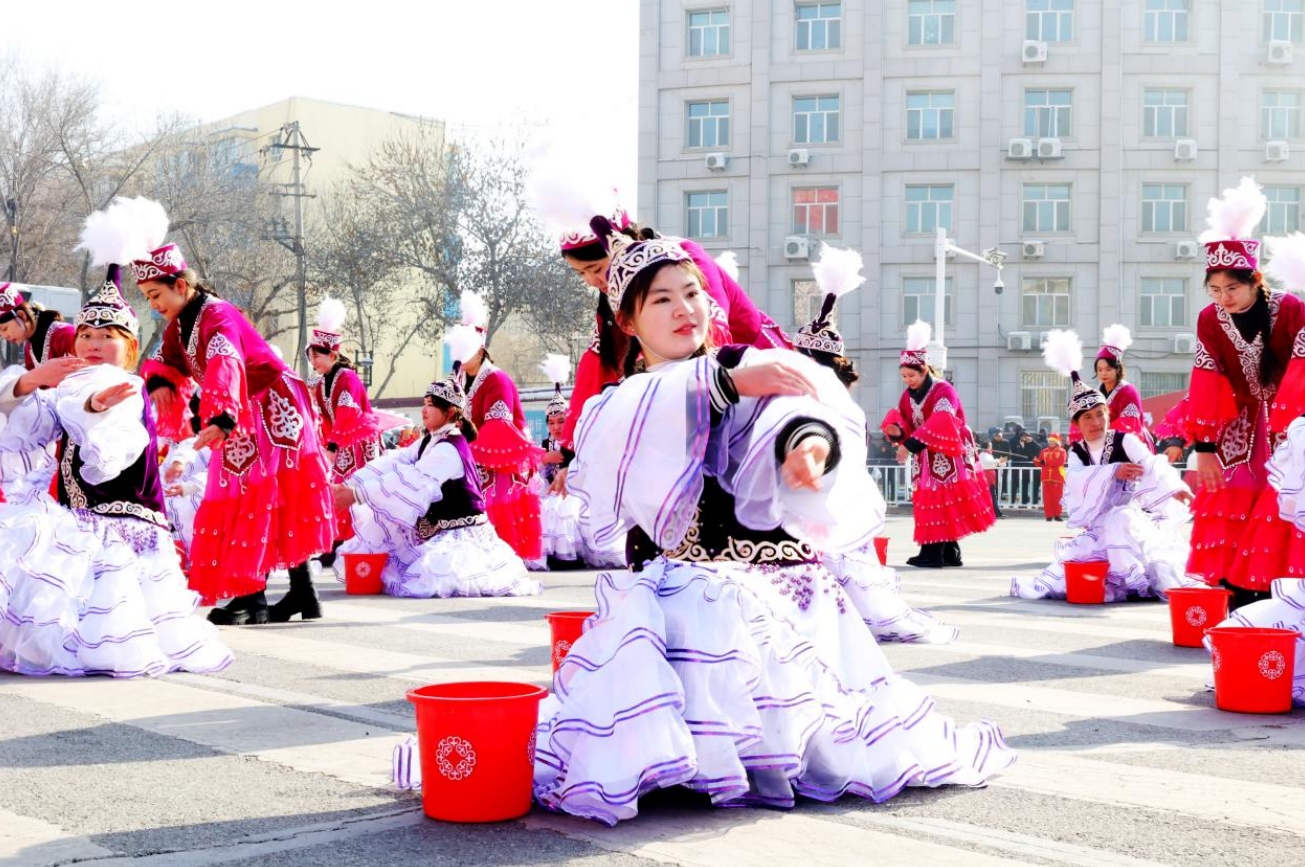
(992, 256)
(365, 368)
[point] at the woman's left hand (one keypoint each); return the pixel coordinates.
(778, 377)
(112, 396)
(344, 497)
(1184, 497)
(211, 435)
(805, 465)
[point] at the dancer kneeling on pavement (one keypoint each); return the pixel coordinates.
(731, 662)
(875, 589)
(1131, 505)
(92, 584)
(423, 506)
(559, 514)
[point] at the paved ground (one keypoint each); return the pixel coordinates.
(284, 758)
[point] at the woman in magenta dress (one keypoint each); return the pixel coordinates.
(1123, 399)
(42, 333)
(268, 501)
(1248, 384)
(950, 495)
(349, 427)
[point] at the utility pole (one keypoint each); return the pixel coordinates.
(11, 216)
(292, 139)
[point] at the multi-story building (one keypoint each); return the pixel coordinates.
(1083, 137)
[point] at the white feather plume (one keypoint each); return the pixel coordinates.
(1236, 214)
(729, 263)
(556, 367)
(127, 230)
(839, 272)
(1063, 352)
(463, 342)
(331, 314)
(918, 334)
(1117, 336)
(474, 311)
(565, 189)
(1286, 267)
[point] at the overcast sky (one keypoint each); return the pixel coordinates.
(482, 66)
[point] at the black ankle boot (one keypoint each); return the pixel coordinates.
(951, 554)
(241, 611)
(1242, 596)
(930, 556)
(302, 598)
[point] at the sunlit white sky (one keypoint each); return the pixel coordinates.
(483, 67)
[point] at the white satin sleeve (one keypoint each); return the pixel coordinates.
(403, 488)
(109, 441)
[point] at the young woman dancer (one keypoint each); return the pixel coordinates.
(950, 497)
(731, 663)
(1130, 504)
(1123, 400)
(563, 546)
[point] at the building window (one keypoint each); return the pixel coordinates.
(919, 295)
(1151, 384)
(1283, 214)
(819, 26)
(815, 119)
(1164, 112)
(1046, 207)
(709, 33)
(1042, 393)
(930, 115)
(1044, 302)
(1166, 21)
(1280, 114)
(928, 206)
(709, 124)
(1047, 113)
(1049, 20)
(708, 215)
(931, 22)
(815, 211)
(1164, 302)
(807, 299)
(1283, 20)
(1164, 208)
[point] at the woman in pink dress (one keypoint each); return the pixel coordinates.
(42, 333)
(1123, 399)
(268, 500)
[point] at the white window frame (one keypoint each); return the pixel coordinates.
(1043, 393)
(1283, 213)
(803, 227)
(1166, 18)
(721, 34)
(1049, 20)
(1046, 208)
(807, 299)
(1166, 113)
(701, 124)
(1166, 305)
(1163, 212)
(924, 216)
(826, 26)
(919, 297)
(939, 20)
(939, 113)
(823, 113)
(718, 211)
(1047, 119)
(1279, 121)
(1284, 20)
(1056, 306)
(1172, 381)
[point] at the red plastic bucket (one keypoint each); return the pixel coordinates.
(477, 745)
(1085, 583)
(1192, 610)
(881, 549)
(567, 626)
(1253, 668)
(362, 573)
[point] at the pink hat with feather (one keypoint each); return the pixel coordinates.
(1231, 220)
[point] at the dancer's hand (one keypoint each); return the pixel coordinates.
(805, 465)
(771, 378)
(1128, 472)
(210, 436)
(164, 398)
(559, 483)
(1209, 471)
(1184, 497)
(343, 496)
(173, 472)
(172, 491)
(1174, 454)
(47, 374)
(552, 458)
(111, 397)
(893, 431)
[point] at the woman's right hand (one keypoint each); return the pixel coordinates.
(164, 399)
(771, 378)
(1174, 454)
(893, 431)
(1128, 472)
(1209, 471)
(553, 458)
(559, 483)
(47, 374)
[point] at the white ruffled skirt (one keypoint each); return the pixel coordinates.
(1285, 610)
(751, 685)
(85, 594)
(560, 518)
(876, 592)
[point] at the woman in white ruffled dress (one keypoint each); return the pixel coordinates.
(422, 505)
(185, 476)
(731, 662)
(1130, 504)
(91, 584)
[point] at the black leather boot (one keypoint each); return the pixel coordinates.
(951, 554)
(241, 611)
(930, 556)
(302, 598)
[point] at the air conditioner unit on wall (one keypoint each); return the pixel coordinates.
(797, 247)
(799, 157)
(1033, 249)
(717, 161)
(1049, 149)
(1042, 339)
(1279, 52)
(1019, 341)
(1020, 149)
(1185, 149)
(1186, 250)
(1184, 344)
(1276, 151)
(1033, 51)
